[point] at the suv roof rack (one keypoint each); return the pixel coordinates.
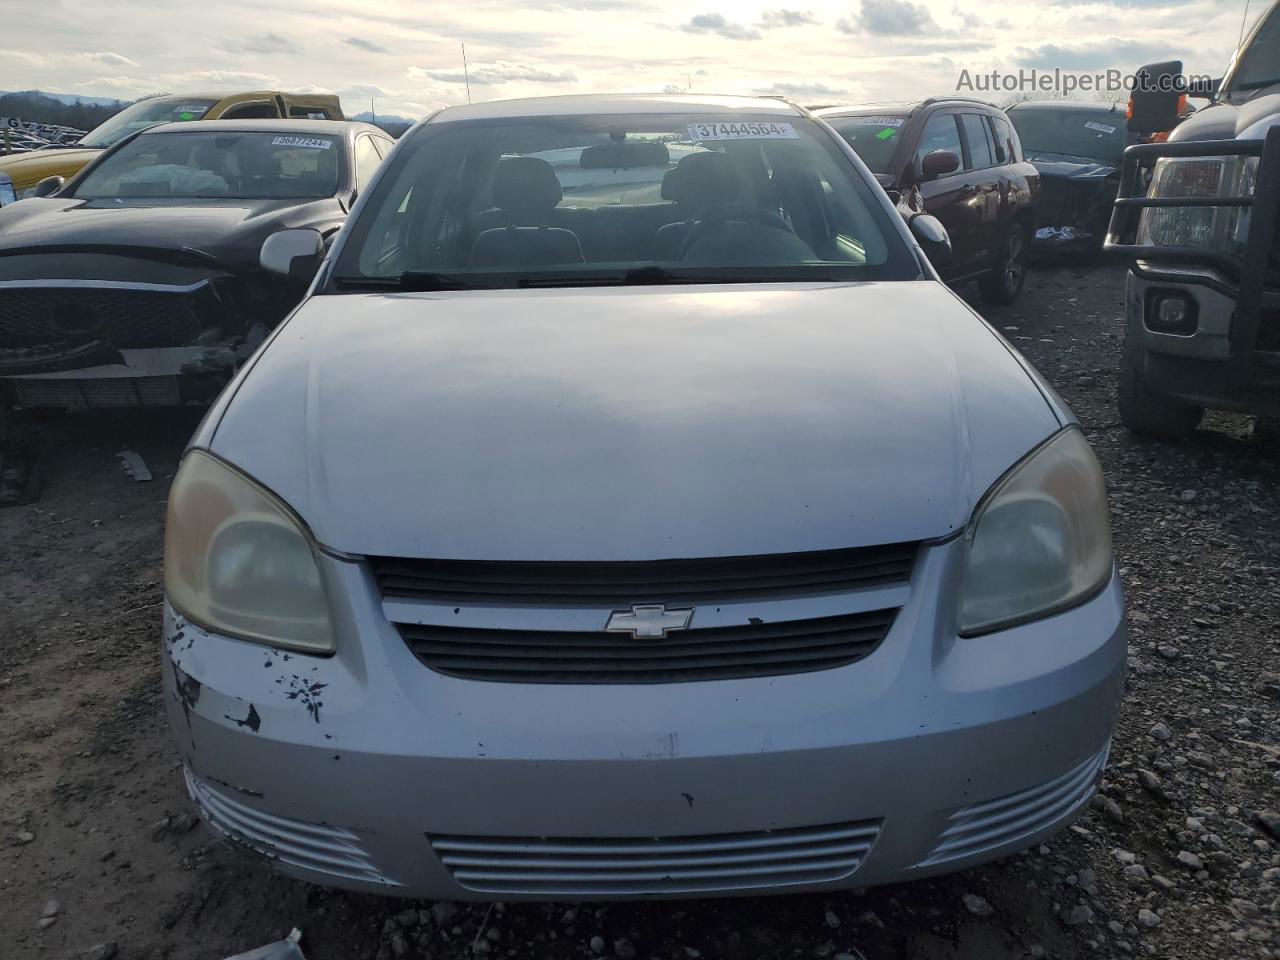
(930, 100)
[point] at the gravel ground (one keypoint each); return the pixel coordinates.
(101, 856)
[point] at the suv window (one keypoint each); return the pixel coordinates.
(940, 133)
(975, 132)
(1002, 137)
(253, 110)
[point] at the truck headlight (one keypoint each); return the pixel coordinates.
(1040, 540)
(1224, 229)
(237, 561)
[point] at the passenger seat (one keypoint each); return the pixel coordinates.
(526, 192)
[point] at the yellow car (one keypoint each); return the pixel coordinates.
(19, 174)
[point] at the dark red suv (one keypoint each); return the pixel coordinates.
(961, 161)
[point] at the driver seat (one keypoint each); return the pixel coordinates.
(700, 185)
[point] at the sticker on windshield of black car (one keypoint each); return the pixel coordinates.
(311, 143)
(742, 131)
(872, 121)
(1100, 127)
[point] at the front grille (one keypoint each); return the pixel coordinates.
(715, 653)
(1007, 821)
(32, 316)
(589, 867)
(622, 583)
(98, 392)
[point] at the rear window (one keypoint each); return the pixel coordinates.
(1085, 134)
(232, 165)
(875, 137)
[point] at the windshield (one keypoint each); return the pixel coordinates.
(143, 114)
(1087, 134)
(1259, 63)
(587, 199)
(216, 165)
(874, 136)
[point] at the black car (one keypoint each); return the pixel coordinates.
(139, 282)
(959, 160)
(1077, 147)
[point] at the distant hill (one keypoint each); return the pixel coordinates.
(390, 122)
(70, 99)
(66, 110)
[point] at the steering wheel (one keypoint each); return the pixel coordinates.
(726, 213)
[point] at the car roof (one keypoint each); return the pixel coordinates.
(638, 103)
(862, 109)
(1067, 106)
(276, 125)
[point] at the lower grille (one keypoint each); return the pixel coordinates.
(31, 316)
(309, 846)
(987, 826)
(97, 393)
(717, 653)
(716, 863)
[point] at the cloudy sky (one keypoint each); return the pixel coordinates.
(407, 54)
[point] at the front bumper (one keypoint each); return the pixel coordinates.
(367, 770)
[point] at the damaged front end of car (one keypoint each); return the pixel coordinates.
(86, 328)
(1075, 205)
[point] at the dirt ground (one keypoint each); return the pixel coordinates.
(101, 855)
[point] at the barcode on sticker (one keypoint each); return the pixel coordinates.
(742, 131)
(312, 143)
(1101, 127)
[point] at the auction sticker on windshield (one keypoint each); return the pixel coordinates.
(872, 121)
(1100, 127)
(313, 143)
(742, 131)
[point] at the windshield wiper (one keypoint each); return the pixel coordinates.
(636, 277)
(411, 281)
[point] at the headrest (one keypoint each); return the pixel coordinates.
(625, 155)
(702, 180)
(525, 185)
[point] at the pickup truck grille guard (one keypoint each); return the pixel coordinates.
(1252, 280)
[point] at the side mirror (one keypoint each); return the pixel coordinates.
(1157, 92)
(48, 186)
(932, 237)
(295, 254)
(937, 164)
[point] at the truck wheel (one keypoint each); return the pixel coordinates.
(1142, 410)
(1003, 284)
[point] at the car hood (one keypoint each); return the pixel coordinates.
(228, 231)
(1071, 168)
(632, 423)
(28, 169)
(1231, 119)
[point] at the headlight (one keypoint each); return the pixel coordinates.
(1040, 541)
(237, 561)
(1215, 228)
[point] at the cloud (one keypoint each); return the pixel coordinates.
(497, 72)
(1094, 55)
(220, 80)
(890, 18)
(786, 18)
(363, 91)
(107, 58)
(717, 24)
(673, 88)
(367, 45)
(804, 88)
(117, 84)
(261, 43)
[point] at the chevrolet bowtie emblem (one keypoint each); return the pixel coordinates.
(649, 621)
